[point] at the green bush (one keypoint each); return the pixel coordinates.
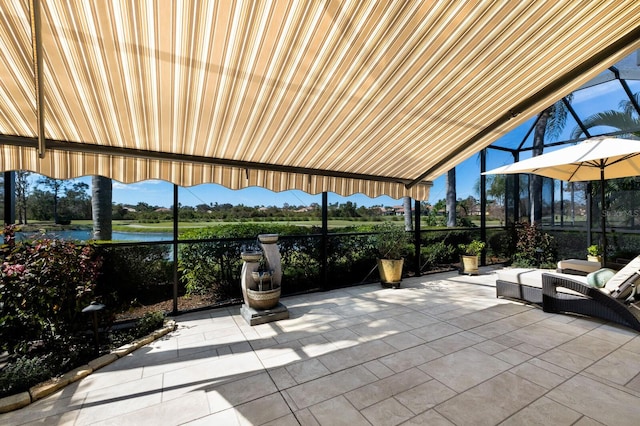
(150, 322)
(213, 267)
(501, 244)
(351, 258)
(534, 248)
(437, 253)
(134, 274)
(45, 285)
(25, 372)
(391, 241)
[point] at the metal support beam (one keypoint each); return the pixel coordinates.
(553, 202)
(53, 144)
(9, 198)
(533, 126)
(575, 117)
(516, 192)
(175, 249)
(626, 88)
(561, 204)
(36, 46)
(417, 238)
(324, 242)
(589, 214)
(483, 204)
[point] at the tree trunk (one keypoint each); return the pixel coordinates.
(408, 221)
(535, 181)
(101, 195)
(22, 188)
(451, 198)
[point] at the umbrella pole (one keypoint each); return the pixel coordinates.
(603, 218)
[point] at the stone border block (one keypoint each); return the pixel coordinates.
(102, 361)
(124, 350)
(78, 373)
(47, 388)
(13, 402)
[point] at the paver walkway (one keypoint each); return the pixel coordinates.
(441, 350)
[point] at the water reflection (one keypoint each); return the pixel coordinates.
(85, 234)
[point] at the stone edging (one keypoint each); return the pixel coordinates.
(14, 402)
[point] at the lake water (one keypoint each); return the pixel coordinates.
(84, 235)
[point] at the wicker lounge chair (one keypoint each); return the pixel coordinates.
(525, 284)
(619, 306)
(520, 284)
(564, 293)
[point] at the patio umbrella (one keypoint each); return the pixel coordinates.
(599, 158)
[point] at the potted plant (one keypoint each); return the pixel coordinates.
(594, 254)
(391, 245)
(469, 256)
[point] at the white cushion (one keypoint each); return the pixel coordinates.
(620, 284)
(533, 277)
(585, 266)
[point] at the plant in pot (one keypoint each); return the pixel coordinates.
(594, 254)
(469, 256)
(391, 245)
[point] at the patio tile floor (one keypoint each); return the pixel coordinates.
(440, 350)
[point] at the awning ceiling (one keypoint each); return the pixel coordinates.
(362, 96)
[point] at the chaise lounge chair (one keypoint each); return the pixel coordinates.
(564, 293)
(615, 302)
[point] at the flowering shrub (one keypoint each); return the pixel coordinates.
(534, 248)
(45, 284)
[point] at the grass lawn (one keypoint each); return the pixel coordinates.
(167, 226)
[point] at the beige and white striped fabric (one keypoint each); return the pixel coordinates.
(342, 96)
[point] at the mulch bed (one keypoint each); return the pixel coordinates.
(185, 303)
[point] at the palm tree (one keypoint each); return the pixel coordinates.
(451, 198)
(550, 123)
(408, 222)
(626, 118)
(101, 195)
(22, 189)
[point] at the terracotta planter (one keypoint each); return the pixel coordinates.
(390, 272)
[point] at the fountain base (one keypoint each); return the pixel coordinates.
(262, 316)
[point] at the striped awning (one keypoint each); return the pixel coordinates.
(373, 97)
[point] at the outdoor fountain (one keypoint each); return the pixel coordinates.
(260, 280)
